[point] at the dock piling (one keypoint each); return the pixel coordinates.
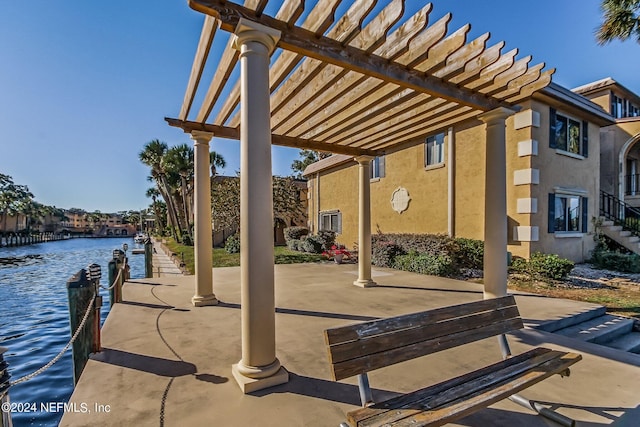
(81, 290)
(148, 256)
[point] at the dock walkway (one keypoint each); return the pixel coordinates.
(165, 362)
(163, 265)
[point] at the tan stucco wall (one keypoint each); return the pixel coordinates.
(613, 140)
(558, 170)
(469, 181)
(428, 189)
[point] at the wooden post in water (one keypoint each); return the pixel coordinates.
(5, 415)
(148, 256)
(112, 268)
(80, 291)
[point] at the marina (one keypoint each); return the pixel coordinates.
(34, 316)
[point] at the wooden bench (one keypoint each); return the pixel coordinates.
(363, 347)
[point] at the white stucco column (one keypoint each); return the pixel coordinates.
(364, 223)
(495, 204)
(259, 368)
(202, 216)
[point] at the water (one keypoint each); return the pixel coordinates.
(34, 317)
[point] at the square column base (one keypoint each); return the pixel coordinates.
(202, 301)
(249, 385)
(367, 283)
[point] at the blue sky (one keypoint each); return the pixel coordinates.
(84, 84)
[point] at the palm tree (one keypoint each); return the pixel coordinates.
(621, 21)
(153, 193)
(152, 155)
(180, 163)
(217, 161)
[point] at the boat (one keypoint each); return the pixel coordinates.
(140, 238)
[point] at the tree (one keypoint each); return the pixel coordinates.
(179, 163)
(287, 205)
(152, 155)
(306, 158)
(225, 202)
(15, 199)
(621, 20)
(173, 171)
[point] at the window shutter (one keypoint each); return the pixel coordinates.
(381, 166)
(552, 128)
(585, 139)
(339, 222)
(585, 213)
(552, 213)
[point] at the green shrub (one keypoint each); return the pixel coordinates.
(232, 245)
(294, 244)
(186, 240)
(470, 253)
(295, 233)
(383, 253)
(327, 238)
(434, 244)
(312, 244)
(543, 266)
(617, 261)
(423, 263)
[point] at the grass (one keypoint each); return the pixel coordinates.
(619, 297)
(221, 258)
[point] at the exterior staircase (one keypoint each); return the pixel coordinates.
(597, 327)
(620, 222)
(621, 236)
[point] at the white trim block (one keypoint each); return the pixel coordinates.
(527, 206)
(526, 118)
(528, 148)
(526, 233)
(526, 176)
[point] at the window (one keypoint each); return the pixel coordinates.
(376, 169)
(621, 107)
(567, 213)
(568, 134)
(434, 150)
(331, 221)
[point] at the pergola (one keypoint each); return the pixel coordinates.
(341, 86)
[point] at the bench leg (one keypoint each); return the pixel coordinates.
(542, 410)
(365, 391)
(504, 346)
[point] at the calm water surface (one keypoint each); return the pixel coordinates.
(34, 316)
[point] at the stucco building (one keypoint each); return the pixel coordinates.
(562, 148)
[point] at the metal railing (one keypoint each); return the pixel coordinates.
(620, 213)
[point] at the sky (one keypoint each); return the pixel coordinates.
(85, 84)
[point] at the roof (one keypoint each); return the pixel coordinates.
(341, 86)
(578, 101)
(326, 163)
(607, 83)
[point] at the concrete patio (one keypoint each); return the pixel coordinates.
(167, 362)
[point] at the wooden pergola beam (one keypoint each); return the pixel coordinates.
(325, 49)
(282, 140)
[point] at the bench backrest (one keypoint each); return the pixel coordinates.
(363, 347)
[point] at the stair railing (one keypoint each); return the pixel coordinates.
(620, 213)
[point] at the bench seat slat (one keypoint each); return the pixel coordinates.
(469, 404)
(377, 327)
(405, 337)
(374, 361)
(456, 398)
